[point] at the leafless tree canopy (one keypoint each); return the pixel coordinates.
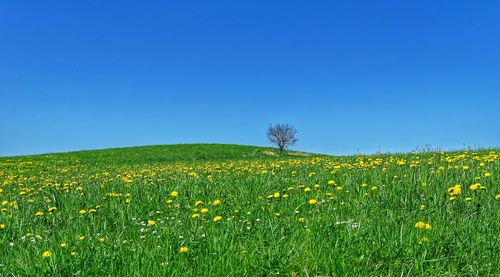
(282, 135)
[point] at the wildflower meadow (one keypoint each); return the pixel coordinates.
(219, 210)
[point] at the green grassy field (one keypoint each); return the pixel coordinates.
(218, 210)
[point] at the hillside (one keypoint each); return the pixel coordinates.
(165, 153)
(217, 210)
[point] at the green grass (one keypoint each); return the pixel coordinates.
(362, 224)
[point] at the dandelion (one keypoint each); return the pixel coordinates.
(455, 190)
(81, 238)
(174, 194)
(204, 210)
(331, 182)
(468, 199)
(307, 189)
(151, 222)
(170, 201)
(487, 174)
(82, 212)
(218, 218)
(198, 203)
(51, 209)
(46, 254)
(422, 207)
(374, 188)
(497, 196)
(63, 245)
(73, 253)
(183, 249)
(217, 202)
(312, 201)
(102, 239)
(420, 225)
(302, 219)
(2, 226)
(284, 196)
(474, 186)
(39, 213)
(195, 215)
(276, 195)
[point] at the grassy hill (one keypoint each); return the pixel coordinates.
(212, 210)
(167, 153)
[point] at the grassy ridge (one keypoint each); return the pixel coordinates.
(163, 154)
(142, 211)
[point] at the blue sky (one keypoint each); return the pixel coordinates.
(349, 75)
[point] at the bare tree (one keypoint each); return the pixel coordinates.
(282, 135)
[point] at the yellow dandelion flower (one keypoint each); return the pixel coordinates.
(151, 222)
(468, 199)
(474, 186)
(198, 203)
(284, 195)
(2, 226)
(204, 210)
(307, 189)
(174, 193)
(46, 254)
(218, 218)
(422, 207)
(487, 174)
(63, 245)
(51, 209)
(183, 249)
(302, 219)
(102, 239)
(82, 212)
(331, 182)
(312, 201)
(81, 238)
(195, 215)
(276, 195)
(73, 253)
(170, 201)
(497, 196)
(217, 202)
(420, 225)
(39, 213)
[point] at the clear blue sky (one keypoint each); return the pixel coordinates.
(349, 75)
